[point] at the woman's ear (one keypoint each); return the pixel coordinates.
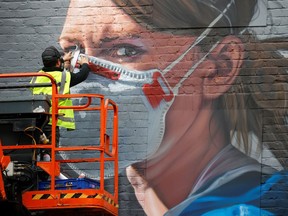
(224, 64)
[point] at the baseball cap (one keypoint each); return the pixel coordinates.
(50, 56)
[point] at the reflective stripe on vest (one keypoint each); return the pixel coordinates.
(66, 116)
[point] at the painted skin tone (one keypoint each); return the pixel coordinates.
(187, 142)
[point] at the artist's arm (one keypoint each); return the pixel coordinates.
(79, 77)
(83, 73)
(145, 195)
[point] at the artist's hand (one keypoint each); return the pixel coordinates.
(67, 56)
(83, 59)
(145, 195)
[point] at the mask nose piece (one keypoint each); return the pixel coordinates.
(96, 65)
(105, 72)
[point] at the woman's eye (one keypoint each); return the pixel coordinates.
(124, 52)
(73, 48)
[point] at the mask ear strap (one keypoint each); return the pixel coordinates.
(198, 40)
(201, 37)
(192, 69)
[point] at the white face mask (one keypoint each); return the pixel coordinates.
(141, 114)
(124, 86)
(143, 97)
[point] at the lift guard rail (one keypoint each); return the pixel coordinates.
(92, 198)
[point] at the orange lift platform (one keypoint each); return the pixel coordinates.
(77, 196)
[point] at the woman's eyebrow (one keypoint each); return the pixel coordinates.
(108, 39)
(127, 36)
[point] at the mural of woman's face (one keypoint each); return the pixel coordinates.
(173, 134)
(102, 29)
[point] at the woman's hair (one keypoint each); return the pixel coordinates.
(258, 99)
(171, 14)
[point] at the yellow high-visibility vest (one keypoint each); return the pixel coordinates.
(66, 116)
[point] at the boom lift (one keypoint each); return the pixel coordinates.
(22, 119)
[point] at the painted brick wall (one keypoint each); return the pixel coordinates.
(27, 27)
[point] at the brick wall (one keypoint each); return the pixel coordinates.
(27, 27)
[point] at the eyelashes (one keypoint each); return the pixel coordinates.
(123, 52)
